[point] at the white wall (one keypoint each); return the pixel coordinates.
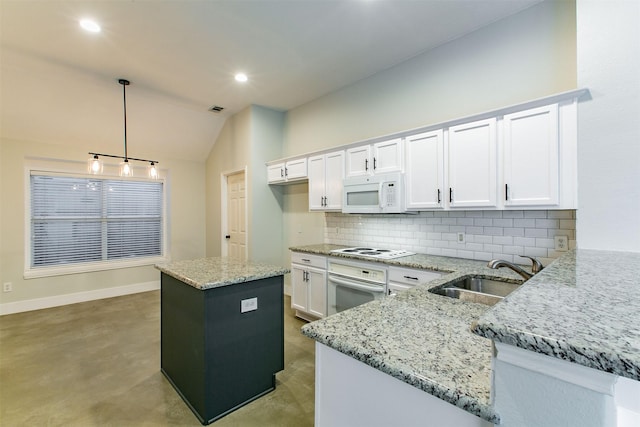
(608, 46)
(185, 215)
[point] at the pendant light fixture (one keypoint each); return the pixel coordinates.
(96, 166)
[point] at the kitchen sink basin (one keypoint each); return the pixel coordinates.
(476, 289)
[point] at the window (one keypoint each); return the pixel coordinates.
(92, 222)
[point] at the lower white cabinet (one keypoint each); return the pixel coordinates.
(402, 279)
(309, 285)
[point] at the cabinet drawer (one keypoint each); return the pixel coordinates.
(318, 261)
(411, 276)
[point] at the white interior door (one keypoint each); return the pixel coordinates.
(236, 216)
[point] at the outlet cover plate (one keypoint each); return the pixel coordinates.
(561, 243)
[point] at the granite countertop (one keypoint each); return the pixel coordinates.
(419, 261)
(214, 272)
(420, 338)
(584, 308)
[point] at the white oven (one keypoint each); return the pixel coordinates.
(350, 284)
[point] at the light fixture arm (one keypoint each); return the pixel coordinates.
(124, 84)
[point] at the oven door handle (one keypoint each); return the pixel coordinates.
(354, 285)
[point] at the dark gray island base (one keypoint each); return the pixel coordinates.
(221, 346)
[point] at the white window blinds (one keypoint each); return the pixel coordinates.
(86, 220)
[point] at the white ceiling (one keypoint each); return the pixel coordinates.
(59, 83)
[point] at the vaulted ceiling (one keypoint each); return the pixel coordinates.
(59, 83)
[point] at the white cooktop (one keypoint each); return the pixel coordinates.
(374, 252)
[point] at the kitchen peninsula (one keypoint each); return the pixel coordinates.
(222, 337)
(567, 350)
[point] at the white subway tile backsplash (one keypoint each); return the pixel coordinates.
(527, 223)
(512, 214)
(493, 231)
(483, 222)
(547, 223)
(568, 224)
(535, 232)
(504, 223)
(535, 214)
(492, 214)
(503, 240)
(488, 234)
(514, 232)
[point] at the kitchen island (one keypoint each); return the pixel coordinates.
(222, 336)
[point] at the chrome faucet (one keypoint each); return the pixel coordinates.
(536, 266)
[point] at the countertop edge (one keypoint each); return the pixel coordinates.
(469, 404)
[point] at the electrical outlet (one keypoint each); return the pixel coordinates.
(561, 243)
(461, 238)
(7, 287)
(250, 304)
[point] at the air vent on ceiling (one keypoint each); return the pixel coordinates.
(216, 108)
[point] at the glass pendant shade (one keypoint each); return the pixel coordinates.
(125, 168)
(152, 171)
(95, 165)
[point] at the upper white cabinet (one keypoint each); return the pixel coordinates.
(424, 163)
(292, 170)
(531, 157)
(326, 173)
(472, 165)
(378, 158)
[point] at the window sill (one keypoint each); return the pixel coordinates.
(34, 273)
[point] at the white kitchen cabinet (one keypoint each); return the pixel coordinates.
(402, 279)
(309, 285)
(292, 170)
(531, 157)
(379, 158)
(326, 173)
(472, 165)
(424, 178)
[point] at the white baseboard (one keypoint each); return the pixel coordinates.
(58, 300)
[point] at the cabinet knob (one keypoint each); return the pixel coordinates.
(227, 236)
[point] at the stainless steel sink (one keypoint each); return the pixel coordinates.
(476, 289)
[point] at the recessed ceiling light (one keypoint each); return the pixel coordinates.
(89, 25)
(241, 77)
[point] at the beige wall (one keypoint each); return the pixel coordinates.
(186, 226)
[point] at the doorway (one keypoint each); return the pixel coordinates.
(234, 215)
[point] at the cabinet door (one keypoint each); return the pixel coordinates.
(334, 174)
(531, 157)
(425, 170)
(387, 156)
(472, 164)
(358, 161)
(317, 292)
(316, 183)
(299, 288)
(296, 169)
(275, 173)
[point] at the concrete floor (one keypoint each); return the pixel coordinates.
(98, 363)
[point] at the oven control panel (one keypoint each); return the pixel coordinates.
(360, 271)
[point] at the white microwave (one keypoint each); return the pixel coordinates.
(374, 194)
